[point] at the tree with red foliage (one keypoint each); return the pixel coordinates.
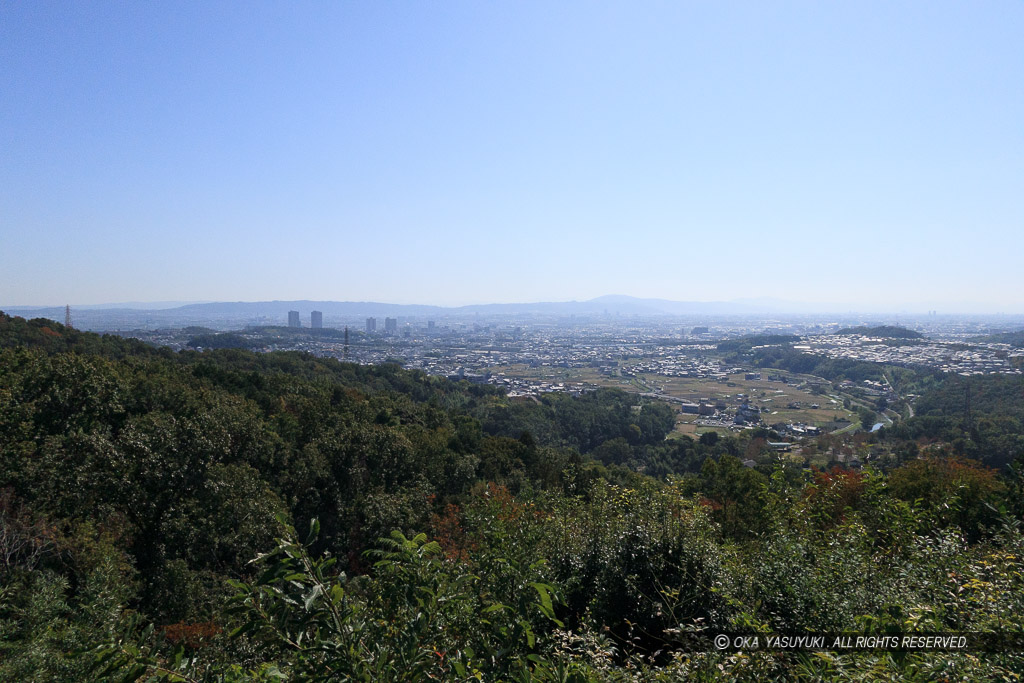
(831, 493)
(956, 491)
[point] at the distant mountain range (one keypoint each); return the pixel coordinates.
(241, 313)
(622, 305)
(129, 305)
(236, 313)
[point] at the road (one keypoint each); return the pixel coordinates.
(910, 408)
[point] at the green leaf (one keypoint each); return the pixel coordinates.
(312, 596)
(544, 591)
(531, 639)
(494, 608)
(314, 531)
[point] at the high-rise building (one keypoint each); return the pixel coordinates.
(391, 325)
(293, 319)
(430, 327)
(371, 325)
(316, 320)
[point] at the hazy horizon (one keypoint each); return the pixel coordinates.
(866, 155)
(766, 305)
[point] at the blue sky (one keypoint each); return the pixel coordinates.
(868, 154)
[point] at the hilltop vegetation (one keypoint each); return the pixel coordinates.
(150, 502)
(981, 417)
(220, 340)
(1014, 339)
(745, 344)
(889, 331)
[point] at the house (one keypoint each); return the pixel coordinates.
(747, 413)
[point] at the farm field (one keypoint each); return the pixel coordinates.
(789, 401)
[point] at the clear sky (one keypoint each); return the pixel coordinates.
(869, 153)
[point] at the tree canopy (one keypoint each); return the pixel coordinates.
(151, 502)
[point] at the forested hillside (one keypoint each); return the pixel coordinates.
(149, 502)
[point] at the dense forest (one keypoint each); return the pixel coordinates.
(228, 515)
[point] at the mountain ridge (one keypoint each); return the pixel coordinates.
(609, 304)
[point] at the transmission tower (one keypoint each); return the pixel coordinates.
(67, 316)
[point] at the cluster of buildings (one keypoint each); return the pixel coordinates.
(316, 320)
(485, 352)
(974, 358)
(509, 351)
(391, 327)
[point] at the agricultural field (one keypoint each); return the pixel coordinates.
(792, 400)
(773, 397)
